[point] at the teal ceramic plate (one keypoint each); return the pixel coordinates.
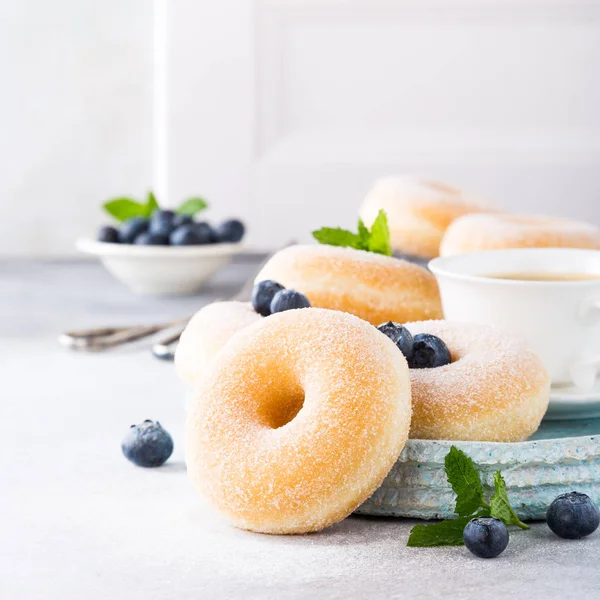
(560, 457)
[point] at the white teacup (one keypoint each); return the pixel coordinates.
(560, 319)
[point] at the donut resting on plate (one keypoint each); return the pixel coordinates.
(299, 420)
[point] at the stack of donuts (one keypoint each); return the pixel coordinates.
(304, 398)
(429, 219)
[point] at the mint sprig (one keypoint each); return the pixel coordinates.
(443, 533)
(500, 505)
(191, 206)
(151, 204)
(125, 208)
(463, 477)
(377, 239)
(466, 484)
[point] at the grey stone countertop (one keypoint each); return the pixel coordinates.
(77, 521)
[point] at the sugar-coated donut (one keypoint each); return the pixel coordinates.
(206, 333)
(299, 420)
(418, 211)
(495, 389)
(496, 231)
(374, 287)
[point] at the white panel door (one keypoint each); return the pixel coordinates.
(284, 111)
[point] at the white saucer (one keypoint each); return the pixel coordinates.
(568, 402)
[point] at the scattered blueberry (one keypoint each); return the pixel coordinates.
(288, 300)
(147, 444)
(131, 228)
(428, 351)
(108, 234)
(204, 232)
(400, 336)
(486, 537)
(147, 238)
(179, 220)
(185, 235)
(262, 296)
(573, 516)
(230, 231)
(161, 222)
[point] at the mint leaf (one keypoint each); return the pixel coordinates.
(377, 240)
(444, 533)
(191, 206)
(500, 505)
(380, 235)
(464, 479)
(151, 204)
(335, 236)
(364, 235)
(124, 208)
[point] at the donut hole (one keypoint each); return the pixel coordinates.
(281, 406)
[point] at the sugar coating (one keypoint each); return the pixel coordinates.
(374, 287)
(495, 389)
(299, 420)
(419, 211)
(206, 333)
(495, 231)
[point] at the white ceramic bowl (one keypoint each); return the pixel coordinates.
(161, 270)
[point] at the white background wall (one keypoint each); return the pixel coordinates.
(284, 111)
(75, 116)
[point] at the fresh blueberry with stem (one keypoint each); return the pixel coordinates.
(185, 235)
(428, 352)
(108, 234)
(288, 300)
(204, 232)
(231, 230)
(262, 296)
(147, 238)
(147, 444)
(131, 228)
(400, 336)
(161, 222)
(486, 537)
(573, 516)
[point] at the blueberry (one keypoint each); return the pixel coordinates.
(428, 351)
(161, 222)
(147, 444)
(230, 231)
(486, 537)
(573, 516)
(288, 300)
(400, 336)
(262, 296)
(204, 232)
(147, 238)
(185, 235)
(179, 220)
(131, 228)
(108, 234)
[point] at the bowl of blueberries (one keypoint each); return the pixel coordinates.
(162, 251)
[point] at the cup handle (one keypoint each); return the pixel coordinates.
(589, 312)
(584, 370)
